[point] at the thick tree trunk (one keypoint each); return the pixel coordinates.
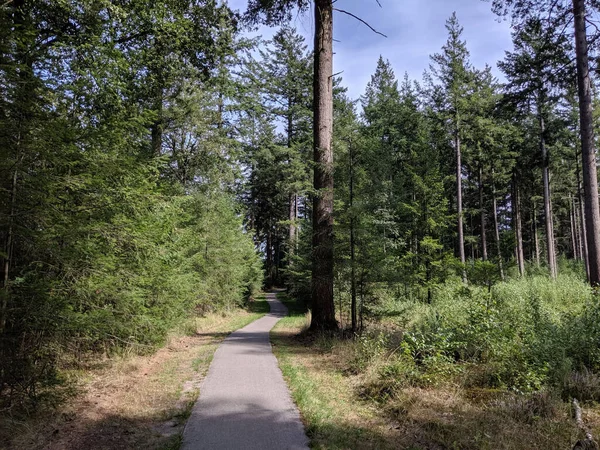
(588, 153)
(323, 307)
(550, 253)
(459, 205)
(484, 254)
(518, 228)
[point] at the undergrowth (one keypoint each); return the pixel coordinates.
(455, 372)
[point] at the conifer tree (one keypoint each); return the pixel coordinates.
(558, 14)
(534, 78)
(453, 71)
(285, 71)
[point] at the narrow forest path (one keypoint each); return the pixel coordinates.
(244, 401)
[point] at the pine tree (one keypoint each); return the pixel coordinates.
(559, 14)
(532, 70)
(323, 307)
(453, 71)
(285, 71)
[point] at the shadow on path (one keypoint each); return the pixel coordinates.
(244, 402)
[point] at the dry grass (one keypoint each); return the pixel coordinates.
(133, 402)
(338, 415)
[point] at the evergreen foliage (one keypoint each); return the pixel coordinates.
(154, 164)
(115, 172)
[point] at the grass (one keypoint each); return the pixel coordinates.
(332, 417)
(344, 408)
(134, 401)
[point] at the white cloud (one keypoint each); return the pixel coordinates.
(415, 30)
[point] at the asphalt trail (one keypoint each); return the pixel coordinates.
(244, 402)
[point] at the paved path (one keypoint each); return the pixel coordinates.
(244, 402)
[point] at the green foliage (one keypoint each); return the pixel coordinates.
(522, 334)
(118, 218)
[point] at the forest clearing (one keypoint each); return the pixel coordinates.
(418, 184)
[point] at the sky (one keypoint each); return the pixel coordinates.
(415, 30)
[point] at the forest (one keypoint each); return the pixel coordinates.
(158, 163)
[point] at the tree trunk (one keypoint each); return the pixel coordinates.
(551, 257)
(536, 238)
(23, 102)
(156, 130)
(577, 217)
(518, 228)
(323, 307)
(352, 248)
(292, 231)
(573, 232)
(277, 262)
(484, 254)
(588, 153)
(583, 242)
(459, 208)
(8, 249)
(269, 255)
(497, 230)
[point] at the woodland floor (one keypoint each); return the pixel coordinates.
(339, 411)
(129, 402)
(143, 402)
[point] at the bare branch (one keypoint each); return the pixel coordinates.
(592, 24)
(554, 3)
(360, 20)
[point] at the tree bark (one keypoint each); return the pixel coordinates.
(484, 254)
(292, 231)
(156, 130)
(584, 246)
(352, 248)
(588, 152)
(550, 253)
(8, 249)
(323, 307)
(573, 230)
(536, 238)
(23, 102)
(269, 255)
(497, 231)
(459, 206)
(577, 216)
(518, 228)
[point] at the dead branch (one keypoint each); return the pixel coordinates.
(588, 442)
(360, 20)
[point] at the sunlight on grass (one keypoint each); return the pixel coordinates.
(348, 406)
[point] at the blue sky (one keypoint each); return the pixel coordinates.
(415, 30)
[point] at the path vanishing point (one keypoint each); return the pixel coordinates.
(244, 402)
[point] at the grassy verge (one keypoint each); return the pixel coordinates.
(333, 417)
(132, 401)
(347, 402)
